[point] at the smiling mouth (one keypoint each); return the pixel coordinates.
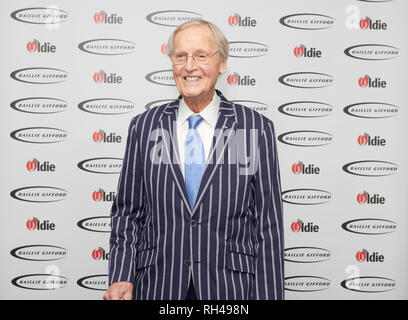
(192, 78)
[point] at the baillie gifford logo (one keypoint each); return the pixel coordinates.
(301, 51)
(366, 140)
(103, 137)
(36, 166)
(368, 82)
(100, 195)
(102, 17)
(236, 79)
(365, 256)
(365, 198)
(36, 46)
(103, 77)
(35, 224)
(369, 24)
(301, 168)
(237, 21)
(100, 254)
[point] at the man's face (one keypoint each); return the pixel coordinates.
(195, 81)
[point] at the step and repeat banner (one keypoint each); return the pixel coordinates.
(330, 74)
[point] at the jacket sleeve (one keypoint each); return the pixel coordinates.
(269, 272)
(127, 212)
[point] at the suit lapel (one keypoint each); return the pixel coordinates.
(167, 124)
(225, 127)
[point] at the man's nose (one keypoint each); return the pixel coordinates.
(190, 63)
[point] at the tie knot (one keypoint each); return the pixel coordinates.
(194, 121)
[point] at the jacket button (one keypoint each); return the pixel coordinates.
(193, 223)
(187, 262)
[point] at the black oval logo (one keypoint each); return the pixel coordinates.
(370, 226)
(371, 110)
(42, 15)
(103, 165)
(95, 282)
(372, 52)
(39, 253)
(371, 168)
(39, 105)
(307, 21)
(96, 224)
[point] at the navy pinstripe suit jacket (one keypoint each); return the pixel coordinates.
(231, 242)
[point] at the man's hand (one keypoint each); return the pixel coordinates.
(119, 291)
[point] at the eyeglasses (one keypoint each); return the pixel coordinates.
(200, 58)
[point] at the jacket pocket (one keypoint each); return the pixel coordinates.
(240, 262)
(146, 258)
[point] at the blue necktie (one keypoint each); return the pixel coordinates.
(194, 160)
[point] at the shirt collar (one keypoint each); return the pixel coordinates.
(209, 113)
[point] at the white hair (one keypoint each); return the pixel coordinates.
(221, 41)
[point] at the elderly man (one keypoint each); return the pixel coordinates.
(191, 219)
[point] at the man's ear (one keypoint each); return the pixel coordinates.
(223, 66)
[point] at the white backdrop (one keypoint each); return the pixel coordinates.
(330, 74)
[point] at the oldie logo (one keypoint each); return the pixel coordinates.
(371, 110)
(307, 254)
(306, 196)
(36, 166)
(366, 198)
(307, 21)
(102, 137)
(39, 105)
(96, 224)
(102, 17)
(367, 140)
(39, 252)
(368, 82)
(101, 195)
(39, 194)
(369, 24)
(253, 105)
(306, 138)
(40, 15)
(34, 224)
(36, 46)
(100, 254)
(162, 77)
(40, 75)
(94, 282)
(301, 51)
(107, 106)
(107, 47)
(172, 18)
(104, 165)
(371, 168)
(237, 21)
(103, 77)
(306, 80)
(39, 135)
(306, 283)
(301, 168)
(247, 49)
(300, 226)
(157, 103)
(369, 284)
(372, 52)
(365, 256)
(236, 79)
(40, 281)
(370, 226)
